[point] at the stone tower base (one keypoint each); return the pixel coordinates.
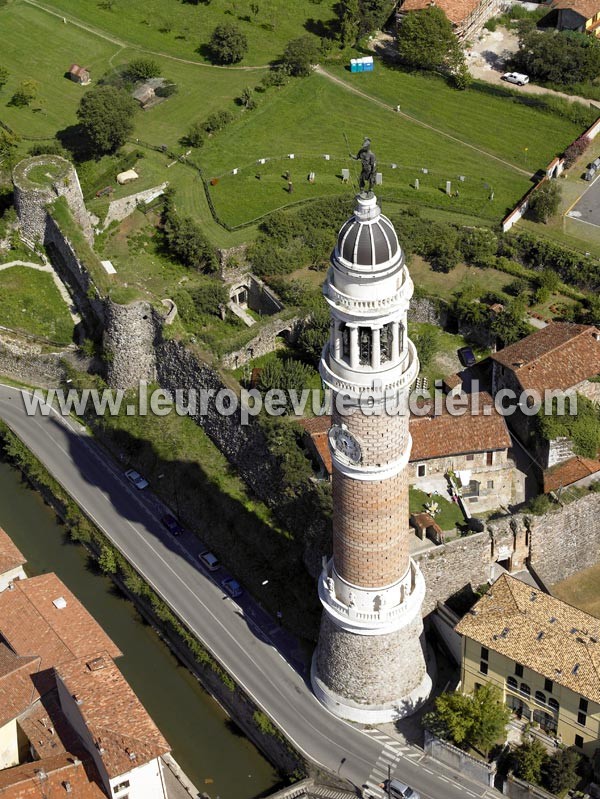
(371, 679)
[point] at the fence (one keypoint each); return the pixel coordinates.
(470, 766)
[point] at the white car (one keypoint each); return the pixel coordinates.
(516, 77)
(209, 560)
(136, 478)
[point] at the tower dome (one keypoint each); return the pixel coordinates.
(367, 241)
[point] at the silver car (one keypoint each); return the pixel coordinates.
(400, 790)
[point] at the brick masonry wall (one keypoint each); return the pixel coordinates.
(370, 529)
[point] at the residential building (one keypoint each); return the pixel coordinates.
(11, 562)
(145, 93)
(69, 721)
(560, 358)
(543, 655)
(577, 15)
(475, 446)
(79, 74)
(467, 16)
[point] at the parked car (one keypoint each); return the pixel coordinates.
(136, 478)
(466, 357)
(400, 790)
(209, 560)
(172, 525)
(516, 77)
(231, 587)
(590, 172)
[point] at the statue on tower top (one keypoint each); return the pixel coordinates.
(369, 166)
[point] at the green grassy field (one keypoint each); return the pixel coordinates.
(449, 514)
(309, 118)
(487, 117)
(581, 590)
(30, 301)
(179, 29)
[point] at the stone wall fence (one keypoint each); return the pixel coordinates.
(472, 767)
(519, 789)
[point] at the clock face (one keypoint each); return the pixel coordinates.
(345, 443)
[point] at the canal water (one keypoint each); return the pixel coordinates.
(210, 749)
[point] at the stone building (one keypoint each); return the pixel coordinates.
(79, 74)
(467, 16)
(558, 359)
(475, 446)
(575, 15)
(542, 654)
(369, 665)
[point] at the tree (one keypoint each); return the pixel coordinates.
(508, 325)
(477, 720)
(528, 759)
(426, 40)
(545, 201)
(349, 21)
(107, 560)
(141, 69)
(427, 343)
(489, 719)
(25, 94)
(247, 99)
(3, 77)
(557, 57)
(300, 55)
(559, 773)
(106, 115)
(228, 44)
(314, 334)
(188, 245)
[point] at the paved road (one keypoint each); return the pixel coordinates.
(129, 520)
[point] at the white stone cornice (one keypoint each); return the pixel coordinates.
(357, 471)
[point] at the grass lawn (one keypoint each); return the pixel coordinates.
(307, 118)
(449, 514)
(179, 29)
(30, 301)
(444, 284)
(445, 361)
(488, 117)
(581, 590)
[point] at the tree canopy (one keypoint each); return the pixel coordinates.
(228, 44)
(426, 40)
(545, 201)
(142, 69)
(299, 56)
(106, 115)
(564, 57)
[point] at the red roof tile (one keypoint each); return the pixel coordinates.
(32, 625)
(557, 357)
(455, 10)
(17, 690)
(568, 472)
(445, 434)
(587, 8)
(48, 777)
(125, 734)
(10, 556)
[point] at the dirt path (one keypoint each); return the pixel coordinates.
(68, 18)
(417, 121)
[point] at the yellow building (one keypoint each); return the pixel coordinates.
(543, 654)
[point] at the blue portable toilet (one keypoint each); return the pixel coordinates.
(353, 67)
(368, 63)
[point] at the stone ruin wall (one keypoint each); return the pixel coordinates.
(31, 200)
(265, 341)
(131, 337)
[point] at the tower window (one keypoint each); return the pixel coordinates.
(365, 343)
(345, 341)
(387, 337)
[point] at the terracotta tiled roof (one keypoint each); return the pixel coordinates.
(10, 556)
(445, 434)
(317, 428)
(455, 10)
(587, 8)
(125, 735)
(48, 777)
(316, 424)
(452, 381)
(568, 472)
(48, 730)
(77, 70)
(17, 690)
(31, 624)
(556, 357)
(542, 633)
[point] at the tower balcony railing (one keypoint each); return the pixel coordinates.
(341, 377)
(367, 307)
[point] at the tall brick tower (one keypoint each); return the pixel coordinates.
(369, 665)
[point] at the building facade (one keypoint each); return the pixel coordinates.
(369, 665)
(542, 654)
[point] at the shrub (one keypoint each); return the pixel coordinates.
(195, 136)
(142, 69)
(576, 150)
(217, 121)
(544, 201)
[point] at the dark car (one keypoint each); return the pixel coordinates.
(172, 525)
(231, 587)
(466, 357)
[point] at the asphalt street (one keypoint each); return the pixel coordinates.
(129, 519)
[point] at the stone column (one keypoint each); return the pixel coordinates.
(376, 348)
(353, 347)
(395, 342)
(337, 341)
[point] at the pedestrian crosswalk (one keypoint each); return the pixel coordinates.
(391, 754)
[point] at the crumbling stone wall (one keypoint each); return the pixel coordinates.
(426, 309)
(26, 362)
(31, 198)
(265, 341)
